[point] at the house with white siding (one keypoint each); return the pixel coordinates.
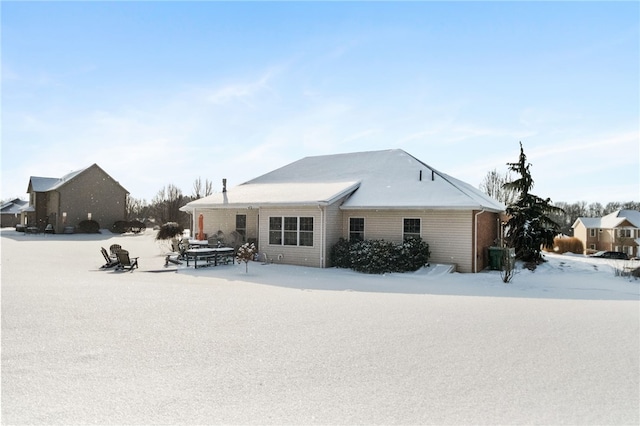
(295, 214)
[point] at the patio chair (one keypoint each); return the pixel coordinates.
(183, 246)
(126, 262)
(180, 248)
(176, 254)
(114, 248)
(111, 262)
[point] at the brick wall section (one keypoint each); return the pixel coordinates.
(488, 225)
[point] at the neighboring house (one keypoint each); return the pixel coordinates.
(88, 193)
(618, 231)
(296, 213)
(10, 212)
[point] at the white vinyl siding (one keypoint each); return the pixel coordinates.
(333, 218)
(448, 232)
(225, 220)
(302, 255)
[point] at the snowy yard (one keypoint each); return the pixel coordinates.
(293, 345)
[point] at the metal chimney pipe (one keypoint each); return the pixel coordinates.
(224, 185)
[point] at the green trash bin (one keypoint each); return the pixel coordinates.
(495, 258)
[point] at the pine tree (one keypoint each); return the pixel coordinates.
(530, 227)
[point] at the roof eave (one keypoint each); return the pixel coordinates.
(228, 206)
(423, 207)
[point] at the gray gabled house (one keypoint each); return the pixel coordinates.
(88, 193)
(10, 212)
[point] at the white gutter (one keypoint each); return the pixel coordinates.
(475, 242)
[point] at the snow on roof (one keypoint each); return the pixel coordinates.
(44, 184)
(612, 220)
(616, 218)
(13, 206)
(275, 194)
(389, 179)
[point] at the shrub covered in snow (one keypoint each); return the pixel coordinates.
(88, 227)
(380, 256)
(340, 254)
(122, 226)
(169, 230)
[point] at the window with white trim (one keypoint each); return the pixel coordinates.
(592, 232)
(291, 231)
(275, 230)
(356, 229)
(241, 225)
(411, 228)
(624, 233)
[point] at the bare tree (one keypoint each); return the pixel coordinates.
(199, 191)
(166, 205)
(494, 186)
(135, 208)
(595, 210)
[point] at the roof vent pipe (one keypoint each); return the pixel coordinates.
(433, 175)
(420, 175)
(224, 185)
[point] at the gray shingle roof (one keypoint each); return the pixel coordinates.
(13, 206)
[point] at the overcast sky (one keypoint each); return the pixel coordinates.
(160, 93)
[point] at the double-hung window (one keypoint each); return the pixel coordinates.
(411, 228)
(624, 233)
(356, 229)
(241, 225)
(290, 234)
(291, 231)
(275, 230)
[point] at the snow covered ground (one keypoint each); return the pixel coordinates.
(292, 345)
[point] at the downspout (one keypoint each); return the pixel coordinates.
(322, 233)
(192, 231)
(475, 243)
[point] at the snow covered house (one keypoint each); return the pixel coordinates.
(89, 193)
(617, 231)
(295, 214)
(10, 212)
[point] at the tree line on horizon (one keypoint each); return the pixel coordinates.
(164, 206)
(494, 185)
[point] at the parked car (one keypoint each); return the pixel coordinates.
(611, 255)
